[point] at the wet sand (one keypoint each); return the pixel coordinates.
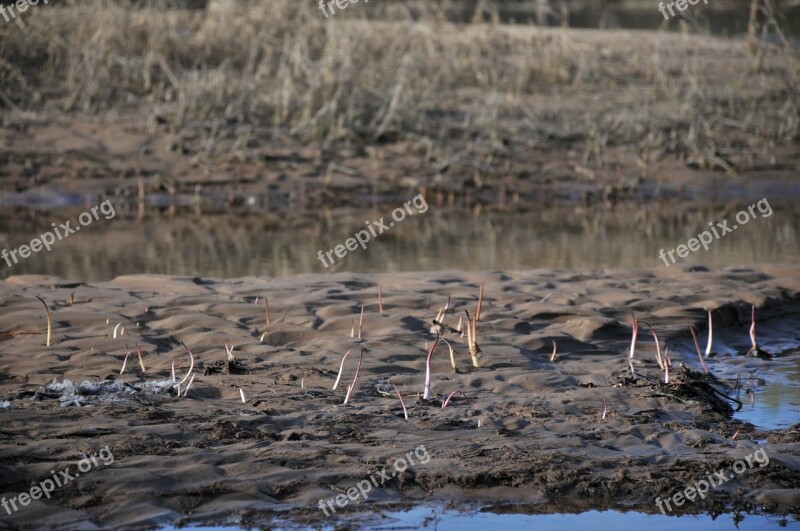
(530, 434)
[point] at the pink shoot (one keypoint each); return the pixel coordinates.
(189, 385)
(173, 371)
(339, 377)
(667, 363)
(49, 320)
(139, 353)
(402, 403)
(472, 339)
(735, 435)
(191, 366)
(633, 341)
(605, 407)
(380, 299)
(241, 393)
(266, 306)
(444, 404)
(452, 354)
(460, 324)
(353, 385)
(352, 329)
(697, 348)
(658, 347)
(553, 356)
(427, 394)
(753, 330)
(125, 362)
(361, 321)
(710, 334)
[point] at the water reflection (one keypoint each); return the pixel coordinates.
(242, 243)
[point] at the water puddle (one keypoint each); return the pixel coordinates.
(769, 389)
(773, 399)
(446, 520)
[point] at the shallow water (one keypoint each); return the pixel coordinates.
(768, 389)
(774, 402)
(253, 242)
(445, 520)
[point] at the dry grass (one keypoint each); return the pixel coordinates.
(241, 74)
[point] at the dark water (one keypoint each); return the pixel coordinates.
(717, 17)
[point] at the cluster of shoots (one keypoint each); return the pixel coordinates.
(141, 362)
(439, 326)
(662, 360)
(360, 325)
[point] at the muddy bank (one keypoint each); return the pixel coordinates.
(577, 432)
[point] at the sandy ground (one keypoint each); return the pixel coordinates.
(531, 432)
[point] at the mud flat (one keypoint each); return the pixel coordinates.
(576, 433)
